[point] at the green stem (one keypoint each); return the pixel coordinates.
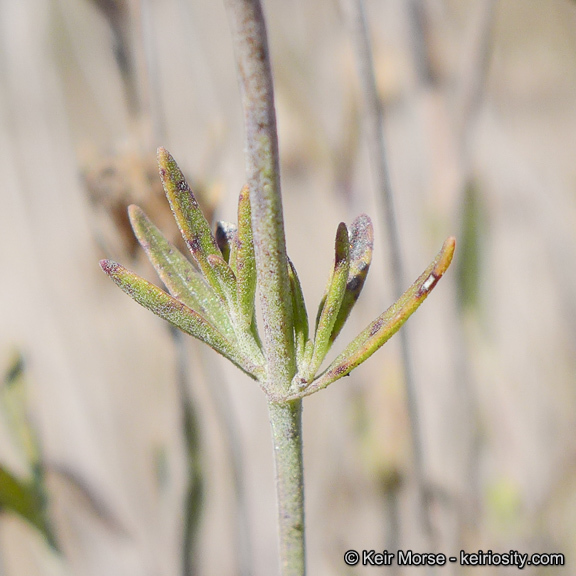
(263, 171)
(286, 421)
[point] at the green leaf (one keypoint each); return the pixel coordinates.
(177, 273)
(361, 246)
(177, 313)
(192, 223)
(245, 262)
(384, 327)
(24, 499)
(332, 302)
(226, 278)
(14, 405)
(299, 313)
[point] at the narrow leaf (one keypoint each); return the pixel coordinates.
(361, 245)
(245, 261)
(226, 279)
(24, 499)
(14, 406)
(299, 312)
(192, 223)
(384, 327)
(233, 256)
(177, 273)
(225, 233)
(175, 312)
(332, 302)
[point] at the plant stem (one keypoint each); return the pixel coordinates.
(263, 171)
(286, 421)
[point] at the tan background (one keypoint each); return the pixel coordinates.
(497, 386)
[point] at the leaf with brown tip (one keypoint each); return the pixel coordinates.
(384, 327)
(361, 246)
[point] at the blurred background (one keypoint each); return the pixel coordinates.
(126, 450)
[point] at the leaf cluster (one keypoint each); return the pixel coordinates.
(214, 298)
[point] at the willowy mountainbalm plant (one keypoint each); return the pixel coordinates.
(214, 299)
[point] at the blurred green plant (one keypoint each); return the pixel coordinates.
(23, 496)
(468, 271)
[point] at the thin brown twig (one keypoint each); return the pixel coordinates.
(378, 157)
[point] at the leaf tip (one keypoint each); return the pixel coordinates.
(214, 259)
(446, 255)
(440, 265)
(166, 164)
(135, 213)
(162, 154)
(363, 224)
(245, 192)
(109, 266)
(341, 244)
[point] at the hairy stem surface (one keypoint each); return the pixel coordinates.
(262, 165)
(286, 421)
(263, 172)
